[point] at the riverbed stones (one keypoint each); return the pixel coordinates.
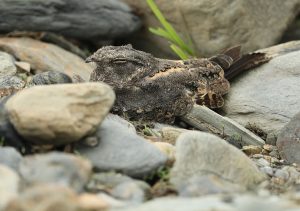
(105, 19)
(121, 149)
(56, 168)
(59, 114)
(199, 153)
(7, 66)
(288, 141)
(44, 57)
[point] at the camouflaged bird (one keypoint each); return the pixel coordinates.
(150, 88)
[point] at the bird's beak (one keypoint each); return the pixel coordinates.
(89, 59)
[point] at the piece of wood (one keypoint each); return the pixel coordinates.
(101, 19)
(205, 119)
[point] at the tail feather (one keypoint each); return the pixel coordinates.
(227, 57)
(234, 64)
(246, 62)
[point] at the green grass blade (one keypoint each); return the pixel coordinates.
(179, 52)
(168, 27)
(161, 32)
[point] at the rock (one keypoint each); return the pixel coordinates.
(206, 185)
(56, 168)
(199, 154)
(9, 135)
(118, 146)
(216, 25)
(267, 170)
(9, 85)
(251, 150)
(59, 114)
(49, 77)
(269, 105)
(46, 57)
(9, 185)
(92, 202)
(288, 141)
(7, 66)
(170, 134)
(216, 203)
(98, 19)
(167, 149)
(130, 192)
(10, 157)
(11, 82)
(45, 198)
(121, 187)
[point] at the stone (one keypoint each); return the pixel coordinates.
(9, 85)
(44, 57)
(118, 146)
(56, 168)
(199, 154)
(167, 149)
(8, 134)
(269, 105)
(45, 198)
(89, 201)
(49, 77)
(267, 170)
(216, 25)
(105, 19)
(121, 187)
(130, 192)
(10, 157)
(207, 185)
(251, 150)
(7, 66)
(217, 203)
(11, 82)
(288, 141)
(59, 114)
(9, 185)
(170, 134)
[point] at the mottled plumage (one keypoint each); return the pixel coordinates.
(150, 88)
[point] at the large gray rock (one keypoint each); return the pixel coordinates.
(59, 114)
(44, 57)
(7, 66)
(288, 141)
(219, 24)
(121, 149)
(199, 153)
(267, 96)
(56, 168)
(74, 18)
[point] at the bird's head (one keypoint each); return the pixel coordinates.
(116, 64)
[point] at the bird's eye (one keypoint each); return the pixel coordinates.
(119, 61)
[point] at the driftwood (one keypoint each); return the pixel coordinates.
(102, 19)
(207, 120)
